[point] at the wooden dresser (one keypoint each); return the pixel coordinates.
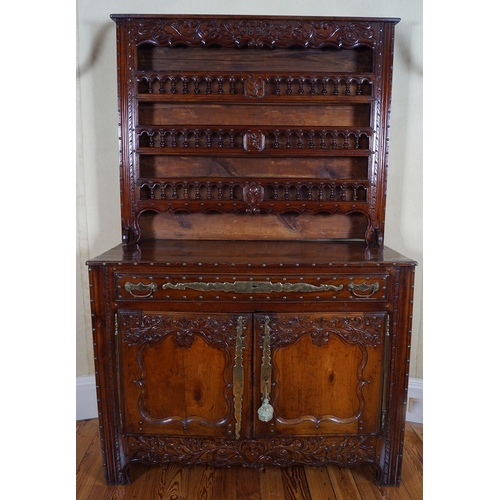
(252, 314)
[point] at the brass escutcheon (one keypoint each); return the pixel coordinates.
(252, 287)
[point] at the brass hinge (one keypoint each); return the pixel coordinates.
(238, 377)
(384, 414)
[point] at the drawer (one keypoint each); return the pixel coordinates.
(359, 287)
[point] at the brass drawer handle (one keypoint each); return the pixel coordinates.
(140, 287)
(238, 377)
(361, 289)
(252, 287)
(265, 412)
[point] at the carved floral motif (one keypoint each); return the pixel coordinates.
(254, 33)
(140, 328)
(365, 330)
(343, 450)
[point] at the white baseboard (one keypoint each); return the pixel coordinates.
(86, 399)
(415, 404)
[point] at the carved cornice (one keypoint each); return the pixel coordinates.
(253, 33)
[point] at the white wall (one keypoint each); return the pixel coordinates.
(98, 205)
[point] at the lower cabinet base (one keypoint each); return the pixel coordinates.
(346, 451)
(188, 354)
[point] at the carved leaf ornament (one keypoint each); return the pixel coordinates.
(256, 33)
(346, 450)
(151, 328)
(367, 331)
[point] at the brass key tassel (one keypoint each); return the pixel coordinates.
(266, 411)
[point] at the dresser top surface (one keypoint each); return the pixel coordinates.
(251, 253)
(268, 17)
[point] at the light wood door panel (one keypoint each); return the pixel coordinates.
(184, 374)
(326, 372)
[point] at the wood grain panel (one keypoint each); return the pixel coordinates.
(166, 388)
(258, 60)
(182, 167)
(326, 372)
(218, 115)
(249, 227)
(326, 386)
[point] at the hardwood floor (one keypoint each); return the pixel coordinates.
(173, 482)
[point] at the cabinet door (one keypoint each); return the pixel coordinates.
(321, 373)
(184, 374)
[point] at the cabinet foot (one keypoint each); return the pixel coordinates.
(121, 478)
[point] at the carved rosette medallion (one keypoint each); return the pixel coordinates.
(254, 86)
(253, 195)
(254, 141)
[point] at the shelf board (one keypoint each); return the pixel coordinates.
(266, 153)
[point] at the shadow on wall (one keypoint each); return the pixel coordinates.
(406, 55)
(97, 45)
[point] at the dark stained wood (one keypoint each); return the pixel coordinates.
(287, 227)
(263, 87)
(257, 254)
(215, 116)
(174, 482)
(205, 59)
(175, 167)
(253, 154)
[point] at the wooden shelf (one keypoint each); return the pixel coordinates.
(268, 152)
